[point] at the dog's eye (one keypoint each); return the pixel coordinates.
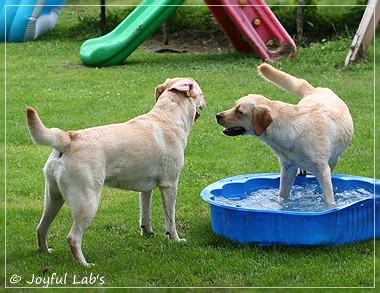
(238, 110)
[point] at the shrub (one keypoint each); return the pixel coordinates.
(320, 22)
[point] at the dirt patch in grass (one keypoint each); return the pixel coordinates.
(191, 41)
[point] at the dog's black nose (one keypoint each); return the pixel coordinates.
(219, 115)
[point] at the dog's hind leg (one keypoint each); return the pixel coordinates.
(83, 213)
(288, 174)
(324, 178)
(333, 164)
(146, 212)
(53, 203)
(169, 194)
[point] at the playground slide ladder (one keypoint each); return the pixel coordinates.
(252, 27)
(365, 32)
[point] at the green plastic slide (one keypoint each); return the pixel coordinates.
(116, 46)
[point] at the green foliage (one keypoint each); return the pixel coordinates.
(90, 22)
(84, 22)
(321, 22)
(186, 17)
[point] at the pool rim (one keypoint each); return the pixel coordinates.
(207, 196)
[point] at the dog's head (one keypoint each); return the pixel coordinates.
(188, 87)
(250, 115)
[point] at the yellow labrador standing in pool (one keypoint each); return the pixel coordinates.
(141, 154)
(310, 135)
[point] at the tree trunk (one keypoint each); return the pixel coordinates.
(300, 22)
(103, 18)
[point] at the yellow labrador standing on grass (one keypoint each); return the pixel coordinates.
(141, 154)
(310, 135)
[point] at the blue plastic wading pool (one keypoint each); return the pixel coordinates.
(235, 215)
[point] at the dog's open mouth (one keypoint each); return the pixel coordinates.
(197, 114)
(234, 131)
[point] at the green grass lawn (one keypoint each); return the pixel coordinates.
(48, 75)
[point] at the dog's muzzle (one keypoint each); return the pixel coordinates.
(230, 131)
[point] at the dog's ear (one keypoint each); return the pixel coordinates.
(262, 118)
(185, 86)
(159, 90)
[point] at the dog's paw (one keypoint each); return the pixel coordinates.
(46, 249)
(179, 240)
(147, 234)
(330, 205)
(174, 237)
(146, 231)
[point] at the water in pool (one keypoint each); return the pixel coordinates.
(303, 198)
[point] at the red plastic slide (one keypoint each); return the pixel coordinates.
(252, 27)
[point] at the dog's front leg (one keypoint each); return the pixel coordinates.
(288, 173)
(169, 194)
(146, 212)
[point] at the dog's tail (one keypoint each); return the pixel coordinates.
(299, 87)
(53, 137)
